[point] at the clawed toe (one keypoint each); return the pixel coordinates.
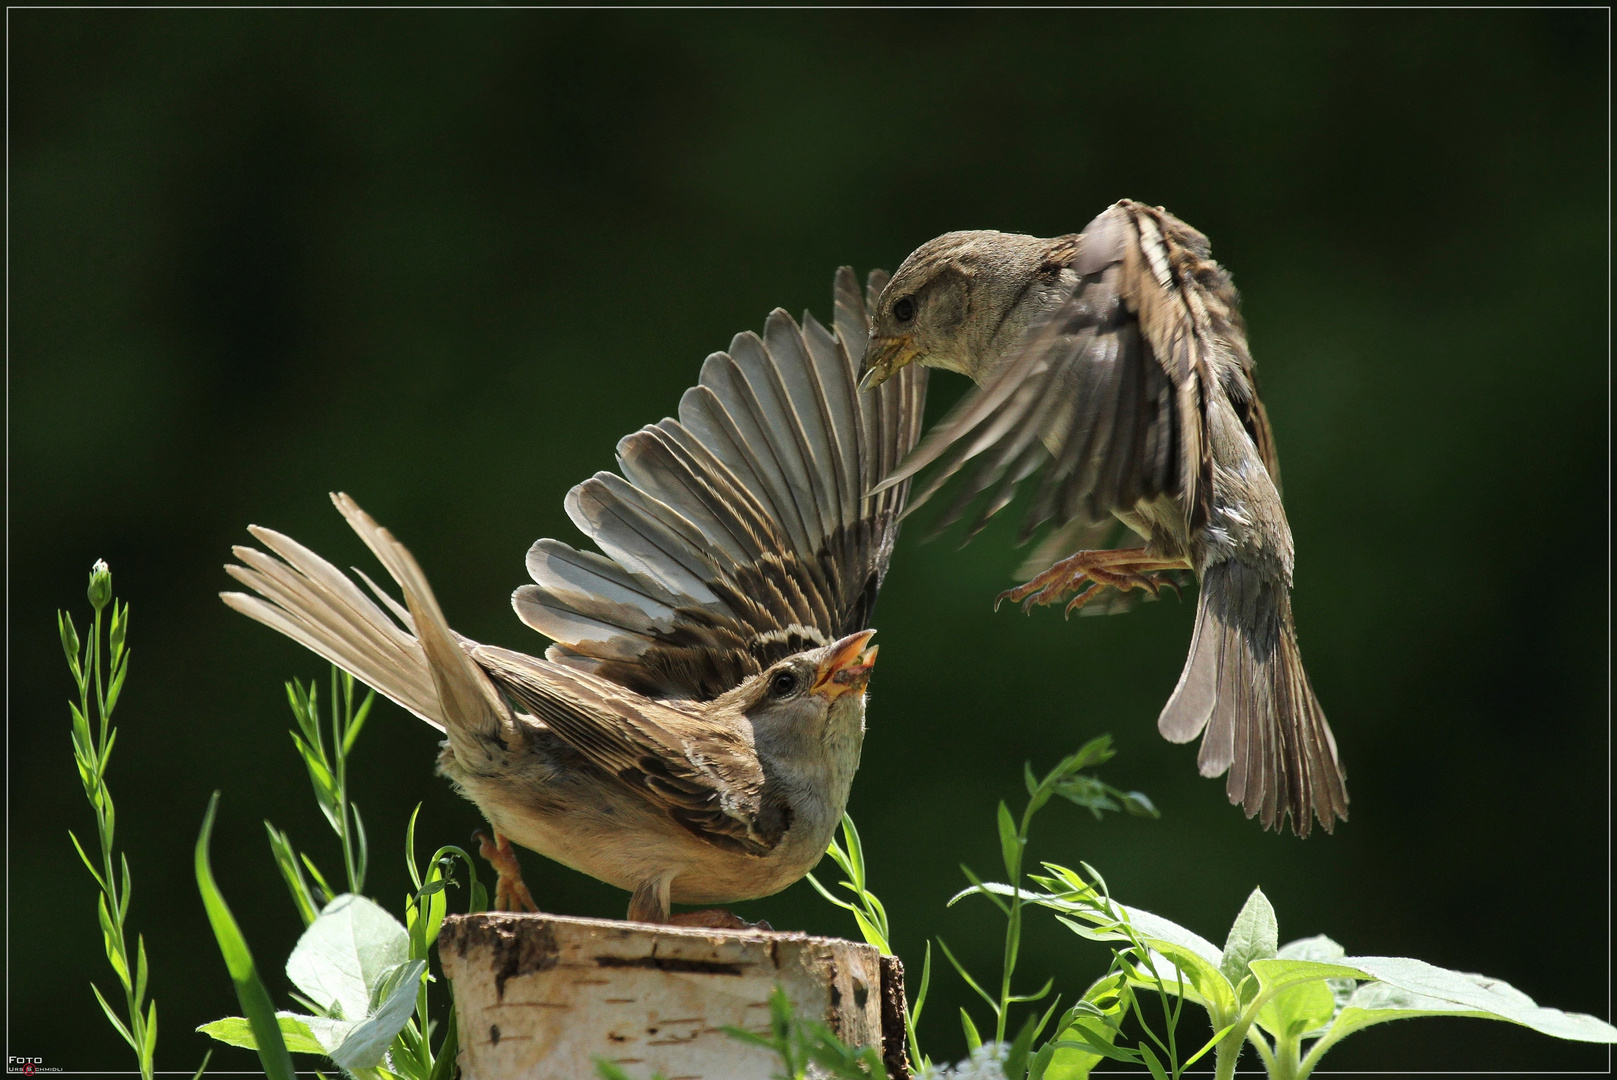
(1091, 573)
(510, 891)
(716, 919)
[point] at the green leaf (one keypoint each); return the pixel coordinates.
(973, 1040)
(342, 956)
(286, 860)
(1473, 994)
(366, 1043)
(1140, 805)
(1255, 935)
(1085, 1034)
(1326, 951)
(856, 852)
(1016, 1057)
(112, 1016)
(358, 722)
(255, 1000)
(1151, 1062)
(1096, 751)
(70, 641)
(236, 1031)
(1302, 999)
(960, 969)
(87, 864)
(443, 1067)
(1010, 844)
(140, 968)
(148, 1049)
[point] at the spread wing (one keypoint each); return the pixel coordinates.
(1108, 393)
(742, 532)
(703, 775)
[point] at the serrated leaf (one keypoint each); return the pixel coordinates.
(236, 1031)
(343, 954)
(1255, 935)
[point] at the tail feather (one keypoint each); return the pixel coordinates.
(424, 667)
(356, 635)
(475, 716)
(1245, 691)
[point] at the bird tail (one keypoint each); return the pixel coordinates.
(422, 666)
(1244, 684)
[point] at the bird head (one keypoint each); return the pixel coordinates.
(955, 303)
(805, 691)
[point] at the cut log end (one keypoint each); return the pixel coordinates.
(543, 995)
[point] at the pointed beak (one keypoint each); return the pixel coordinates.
(846, 667)
(884, 356)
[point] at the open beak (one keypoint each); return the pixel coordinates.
(846, 667)
(884, 356)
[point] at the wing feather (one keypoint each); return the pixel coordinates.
(740, 532)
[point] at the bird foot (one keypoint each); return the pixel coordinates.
(1090, 573)
(716, 919)
(510, 893)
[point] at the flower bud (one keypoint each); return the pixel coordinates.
(100, 590)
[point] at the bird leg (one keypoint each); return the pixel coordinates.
(1095, 572)
(649, 904)
(510, 893)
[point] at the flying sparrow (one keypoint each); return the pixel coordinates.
(1117, 360)
(692, 734)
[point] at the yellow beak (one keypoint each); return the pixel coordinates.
(847, 666)
(884, 356)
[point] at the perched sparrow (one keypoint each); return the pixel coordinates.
(1117, 359)
(692, 734)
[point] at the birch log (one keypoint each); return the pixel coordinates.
(543, 996)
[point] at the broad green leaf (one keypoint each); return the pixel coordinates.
(1321, 948)
(367, 1042)
(1474, 995)
(1255, 935)
(255, 1000)
(236, 1031)
(342, 956)
(1303, 1000)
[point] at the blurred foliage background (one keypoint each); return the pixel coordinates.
(444, 260)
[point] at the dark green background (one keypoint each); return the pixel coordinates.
(443, 260)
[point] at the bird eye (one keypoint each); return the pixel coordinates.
(782, 683)
(904, 309)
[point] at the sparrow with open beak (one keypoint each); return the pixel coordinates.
(692, 735)
(1117, 361)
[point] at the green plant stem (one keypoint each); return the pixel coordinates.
(1227, 1054)
(92, 750)
(1013, 925)
(1282, 1063)
(1305, 1068)
(341, 711)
